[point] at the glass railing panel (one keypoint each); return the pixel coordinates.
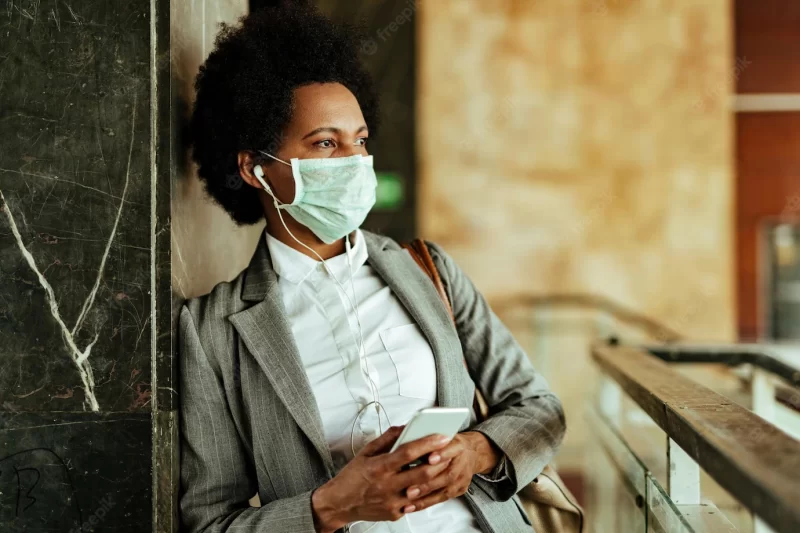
(559, 348)
(645, 439)
(616, 482)
(662, 515)
(727, 505)
(558, 340)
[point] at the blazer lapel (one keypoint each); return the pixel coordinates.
(268, 335)
(418, 295)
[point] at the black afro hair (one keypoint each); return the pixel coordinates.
(245, 89)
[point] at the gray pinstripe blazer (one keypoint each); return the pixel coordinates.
(250, 424)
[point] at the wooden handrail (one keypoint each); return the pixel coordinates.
(750, 458)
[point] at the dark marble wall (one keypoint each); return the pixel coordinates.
(75, 183)
(84, 330)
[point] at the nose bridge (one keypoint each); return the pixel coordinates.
(348, 149)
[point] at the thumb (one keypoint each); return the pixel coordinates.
(383, 443)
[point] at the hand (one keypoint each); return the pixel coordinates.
(372, 486)
(469, 453)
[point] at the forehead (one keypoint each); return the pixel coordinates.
(325, 104)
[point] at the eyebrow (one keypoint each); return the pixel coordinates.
(331, 130)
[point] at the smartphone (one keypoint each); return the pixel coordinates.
(434, 420)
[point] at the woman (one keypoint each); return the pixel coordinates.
(292, 373)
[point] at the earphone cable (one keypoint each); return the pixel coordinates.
(363, 363)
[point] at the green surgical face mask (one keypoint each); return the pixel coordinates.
(332, 195)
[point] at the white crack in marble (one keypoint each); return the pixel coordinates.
(87, 305)
(78, 356)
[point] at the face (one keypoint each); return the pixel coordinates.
(326, 122)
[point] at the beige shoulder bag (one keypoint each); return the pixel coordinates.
(551, 507)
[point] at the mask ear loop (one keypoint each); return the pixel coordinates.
(259, 173)
(275, 158)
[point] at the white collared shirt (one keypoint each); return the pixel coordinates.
(399, 358)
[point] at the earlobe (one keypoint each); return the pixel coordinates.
(252, 174)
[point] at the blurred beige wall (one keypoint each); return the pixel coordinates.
(207, 247)
(564, 146)
(582, 146)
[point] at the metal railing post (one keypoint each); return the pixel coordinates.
(763, 394)
(611, 401)
(683, 481)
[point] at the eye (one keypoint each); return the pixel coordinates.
(362, 141)
(325, 143)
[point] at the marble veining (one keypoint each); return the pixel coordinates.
(79, 357)
(75, 228)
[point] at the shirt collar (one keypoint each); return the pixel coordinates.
(295, 267)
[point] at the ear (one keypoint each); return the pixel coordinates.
(246, 170)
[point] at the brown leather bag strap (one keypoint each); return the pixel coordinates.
(550, 505)
(421, 254)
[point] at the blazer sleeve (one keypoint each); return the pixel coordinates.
(526, 420)
(217, 478)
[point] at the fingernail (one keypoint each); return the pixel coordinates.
(408, 509)
(434, 458)
(443, 439)
(413, 493)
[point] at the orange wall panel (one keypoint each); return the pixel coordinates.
(768, 185)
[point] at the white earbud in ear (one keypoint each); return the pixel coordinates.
(259, 173)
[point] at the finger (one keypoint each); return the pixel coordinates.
(383, 443)
(421, 490)
(414, 450)
(451, 451)
(417, 476)
(452, 476)
(429, 501)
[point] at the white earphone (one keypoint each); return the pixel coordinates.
(259, 172)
